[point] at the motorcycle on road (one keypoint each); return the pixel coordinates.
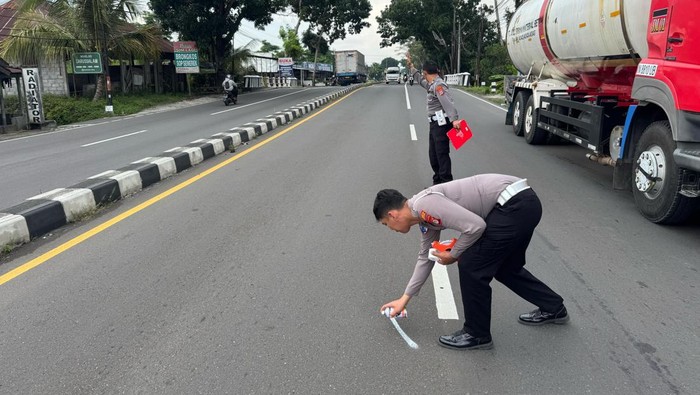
(230, 97)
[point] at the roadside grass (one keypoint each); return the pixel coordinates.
(67, 110)
(484, 92)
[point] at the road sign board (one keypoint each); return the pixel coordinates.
(186, 57)
(87, 63)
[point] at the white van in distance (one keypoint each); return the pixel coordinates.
(393, 74)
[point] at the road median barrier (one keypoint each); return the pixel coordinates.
(43, 213)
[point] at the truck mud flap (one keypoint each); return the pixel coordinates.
(562, 124)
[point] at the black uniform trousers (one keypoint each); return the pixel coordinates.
(439, 152)
(500, 254)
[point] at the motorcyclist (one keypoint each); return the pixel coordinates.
(230, 88)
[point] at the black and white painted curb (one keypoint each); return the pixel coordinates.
(43, 213)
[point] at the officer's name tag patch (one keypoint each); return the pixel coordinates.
(430, 219)
(440, 90)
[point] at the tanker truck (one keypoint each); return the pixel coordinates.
(620, 78)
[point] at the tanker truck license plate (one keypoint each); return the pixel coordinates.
(647, 70)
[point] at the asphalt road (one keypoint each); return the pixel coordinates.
(40, 163)
(265, 276)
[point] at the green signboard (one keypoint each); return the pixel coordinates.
(87, 63)
(186, 57)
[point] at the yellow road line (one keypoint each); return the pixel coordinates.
(25, 267)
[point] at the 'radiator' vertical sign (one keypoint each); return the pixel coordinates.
(33, 91)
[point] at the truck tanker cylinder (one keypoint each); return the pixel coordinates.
(583, 43)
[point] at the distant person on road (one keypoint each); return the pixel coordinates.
(496, 216)
(442, 116)
(230, 88)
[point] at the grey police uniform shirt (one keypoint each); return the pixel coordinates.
(461, 205)
(439, 96)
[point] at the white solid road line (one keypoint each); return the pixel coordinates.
(444, 300)
(114, 138)
(485, 101)
(257, 102)
(408, 101)
(414, 137)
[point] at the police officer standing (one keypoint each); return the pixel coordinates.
(442, 116)
(496, 216)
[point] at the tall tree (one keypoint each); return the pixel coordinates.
(332, 19)
(389, 62)
(433, 25)
(56, 29)
(375, 71)
(268, 47)
(213, 23)
(290, 43)
(238, 57)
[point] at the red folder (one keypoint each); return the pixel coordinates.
(459, 137)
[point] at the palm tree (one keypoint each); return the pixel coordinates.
(238, 56)
(57, 29)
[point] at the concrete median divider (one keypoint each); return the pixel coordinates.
(39, 215)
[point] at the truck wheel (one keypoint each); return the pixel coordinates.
(657, 178)
(519, 112)
(533, 134)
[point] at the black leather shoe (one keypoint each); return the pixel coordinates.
(461, 340)
(539, 317)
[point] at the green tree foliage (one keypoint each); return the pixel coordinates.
(312, 40)
(431, 24)
(332, 19)
(57, 29)
(237, 57)
(418, 53)
(212, 23)
(376, 72)
(496, 61)
(268, 47)
(389, 62)
(290, 43)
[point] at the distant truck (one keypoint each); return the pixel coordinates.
(392, 74)
(350, 67)
(620, 78)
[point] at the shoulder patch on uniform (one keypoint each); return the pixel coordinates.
(430, 219)
(440, 89)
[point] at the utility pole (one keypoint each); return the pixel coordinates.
(498, 21)
(105, 62)
(459, 45)
(478, 50)
(454, 34)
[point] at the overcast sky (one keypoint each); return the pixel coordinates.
(366, 42)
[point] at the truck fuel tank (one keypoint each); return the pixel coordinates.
(591, 42)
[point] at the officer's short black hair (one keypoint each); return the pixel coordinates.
(387, 200)
(430, 67)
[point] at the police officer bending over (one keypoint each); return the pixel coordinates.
(442, 116)
(496, 216)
